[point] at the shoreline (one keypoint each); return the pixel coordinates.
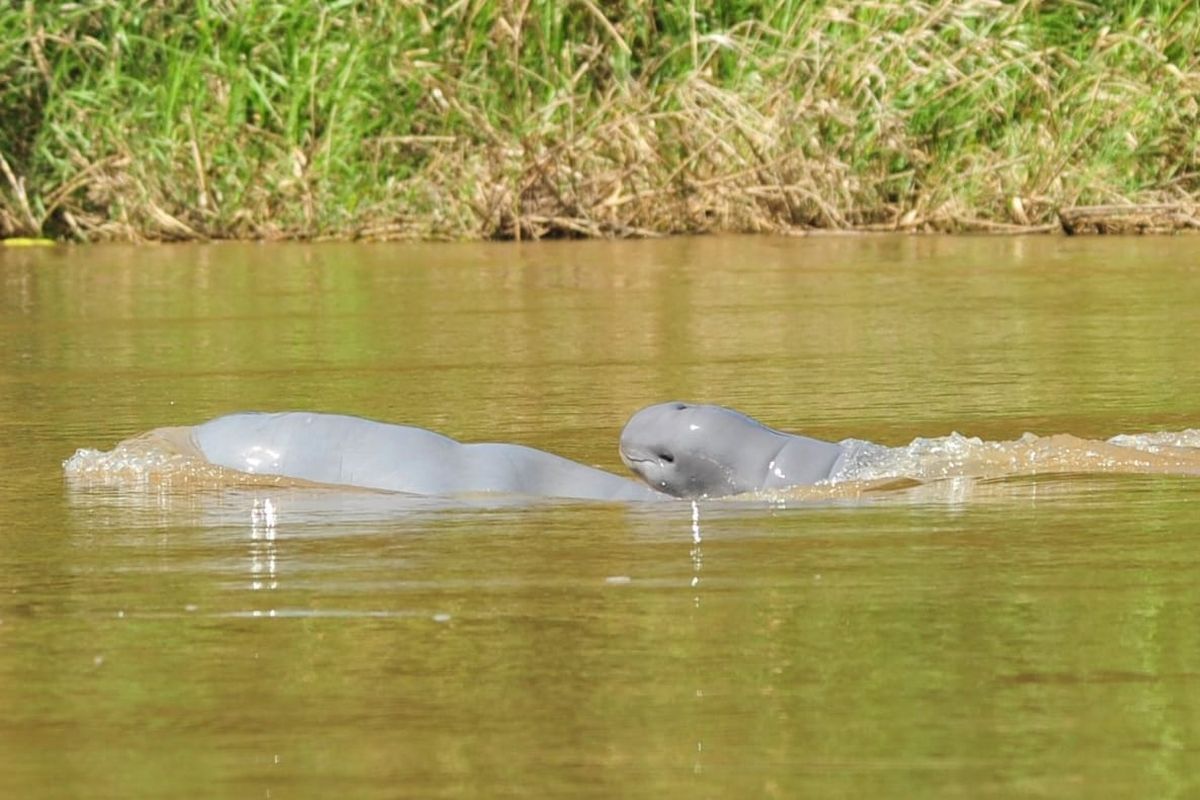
(1137, 220)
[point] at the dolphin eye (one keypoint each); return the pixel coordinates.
(667, 457)
(680, 406)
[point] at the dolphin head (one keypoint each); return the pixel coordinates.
(692, 451)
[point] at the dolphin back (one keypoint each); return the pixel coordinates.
(330, 448)
(346, 450)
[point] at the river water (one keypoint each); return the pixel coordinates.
(1031, 634)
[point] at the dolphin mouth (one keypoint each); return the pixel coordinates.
(631, 460)
(626, 457)
(636, 461)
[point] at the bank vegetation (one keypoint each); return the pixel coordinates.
(165, 119)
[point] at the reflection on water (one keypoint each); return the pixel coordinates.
(697, 565)
(262, 550)
(1022, 627)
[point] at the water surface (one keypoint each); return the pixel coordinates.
(1032, 636)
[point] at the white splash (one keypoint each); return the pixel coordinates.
(1155, 442)
(957, 456)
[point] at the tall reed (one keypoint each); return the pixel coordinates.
(527, 118)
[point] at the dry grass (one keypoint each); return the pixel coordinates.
(284, 118)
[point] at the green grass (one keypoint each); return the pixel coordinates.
(373, 118)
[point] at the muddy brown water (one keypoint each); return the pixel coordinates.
(1036, 636)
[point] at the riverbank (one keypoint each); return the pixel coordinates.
(293, 119)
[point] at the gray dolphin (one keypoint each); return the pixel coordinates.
(352, 451)
(694, 451)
